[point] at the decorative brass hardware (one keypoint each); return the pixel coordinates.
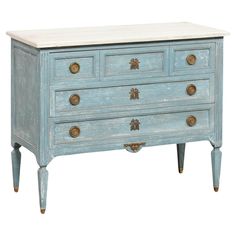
(134, 64)
(191, 59)
(134, 93)
(134, 124)
(74, 68)
(74, 99)
(191, 89)
(74, 131)
(134, 147)
(191, 121)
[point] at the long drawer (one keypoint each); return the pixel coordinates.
(84, 132)
(127, 98)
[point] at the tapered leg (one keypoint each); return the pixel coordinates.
(216, 164)
(16, 160)
(43, 184)
(180, 154)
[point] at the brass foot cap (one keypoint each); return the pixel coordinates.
(216, 189)
(16, 189)
(42, 211)
(181, 170)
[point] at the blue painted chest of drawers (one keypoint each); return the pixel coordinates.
(82, 95)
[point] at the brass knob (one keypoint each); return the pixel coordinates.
(74, 131)
(191, 121)
(74, 99)
(191, 89)
(74, 68)
(191, 59)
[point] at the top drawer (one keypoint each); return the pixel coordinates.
(134, 63)
(75, 66)
(192, 58)
(140, 64)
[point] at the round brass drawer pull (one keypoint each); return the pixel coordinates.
(74, 99)
(74, 131)
(191, 89)
(74, 68)
(191, 59)
(191, 121)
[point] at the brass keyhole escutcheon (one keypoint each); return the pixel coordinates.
(134, 64)
(74, 131)
(134, 147)
(191, 121)
(134, 93)
(74, 68)
(191, 59)
(74, 99)
(191, 89)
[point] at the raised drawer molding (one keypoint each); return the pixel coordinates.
(118, 87)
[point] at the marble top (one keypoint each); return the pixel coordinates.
(114, 34)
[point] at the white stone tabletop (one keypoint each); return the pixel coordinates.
(114, 34)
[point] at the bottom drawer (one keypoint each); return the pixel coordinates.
(86, 132)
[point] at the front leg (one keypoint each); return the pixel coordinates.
(216, 166)
(180, 155)
(16, 161)
(43, 184)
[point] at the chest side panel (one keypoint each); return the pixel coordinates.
(25, 95)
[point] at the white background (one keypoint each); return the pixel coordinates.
(119, 193)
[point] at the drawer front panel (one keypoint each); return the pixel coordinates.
(75, 66)
(189, 59)
(127, 98)
(138, 126)
(134, 63)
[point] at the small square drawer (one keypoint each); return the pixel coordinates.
(128, 98)
(134, 63)
(189, 59)
(84, 132)
(75, 66)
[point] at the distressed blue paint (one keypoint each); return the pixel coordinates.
(205, 62)
(117, 99)
(42, 85)
(43, 185)
(116, 63)
(119, 128)
(216, 166)
(88, 61)
(25, 96)
(217, 140)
